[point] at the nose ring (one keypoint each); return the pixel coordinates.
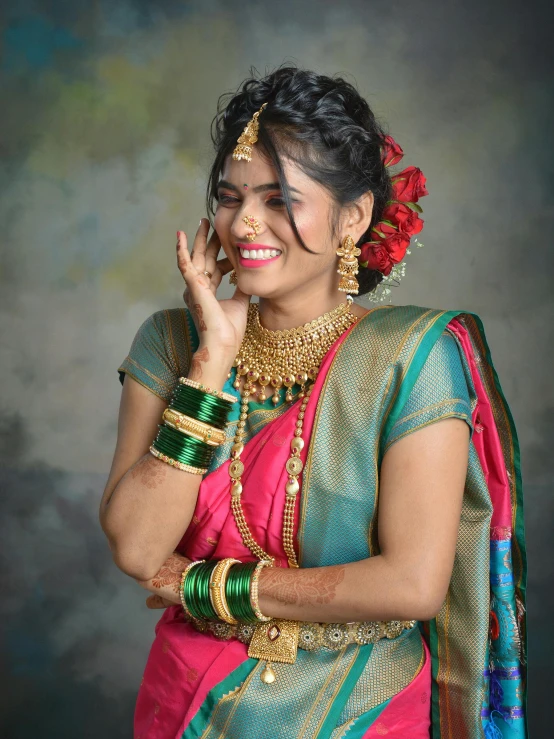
(254, 225)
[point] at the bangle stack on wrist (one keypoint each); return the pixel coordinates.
(224, 590)
(193, 426)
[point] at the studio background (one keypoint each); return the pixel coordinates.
(104, 138)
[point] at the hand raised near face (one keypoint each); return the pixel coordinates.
(220, 323)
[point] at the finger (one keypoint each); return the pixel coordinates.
(213, 247)
(183, 257)
(193, 276)
(224, 265)
(221, 268)
(198, 256)
(155, 601)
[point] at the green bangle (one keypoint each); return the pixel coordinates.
(184, 441)
(196, 592)
(202, 406)
(190, 392)
(184, 576)
(237, 592)
(183, 454)
(183, 448)
(182, 459)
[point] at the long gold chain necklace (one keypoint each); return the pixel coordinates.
(313, 340)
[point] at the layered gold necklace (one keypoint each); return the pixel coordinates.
(280, 358)
(287, 357)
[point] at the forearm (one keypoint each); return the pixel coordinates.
(148, 512)
(369, 590)
(148, 505)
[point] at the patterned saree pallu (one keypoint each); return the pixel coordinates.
(460, 676)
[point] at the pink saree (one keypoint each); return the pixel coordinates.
(186, 668)
(180, 655)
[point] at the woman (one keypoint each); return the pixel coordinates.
(371, 466)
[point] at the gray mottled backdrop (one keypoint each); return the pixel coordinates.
(105, 145)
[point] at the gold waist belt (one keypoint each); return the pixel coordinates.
(311, 635)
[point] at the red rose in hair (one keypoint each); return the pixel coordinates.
(382, 230)
(391, 152)
(407, 219)
(396, 246)
(377, 257)
(409, 185)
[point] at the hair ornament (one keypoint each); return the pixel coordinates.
(399, 222)
(247, 139)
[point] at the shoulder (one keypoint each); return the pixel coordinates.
(388, 326)
(397, 322)
(170, 328)
(161, 350)
(406, 336)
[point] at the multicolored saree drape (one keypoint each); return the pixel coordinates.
(459, 676)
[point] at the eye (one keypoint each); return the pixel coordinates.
(276, 202)
(224, 199)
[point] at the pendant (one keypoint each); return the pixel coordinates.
(268, 675)
(274, 641)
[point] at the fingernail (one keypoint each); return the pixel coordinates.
(178, 234)
(200, 221)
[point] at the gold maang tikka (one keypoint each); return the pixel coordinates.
(247, 139)
(348, 266)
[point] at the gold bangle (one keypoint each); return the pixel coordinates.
(217, 589)
(205, 389)
(191, 427)
(254, 589)
(178, 465)
(182, 587)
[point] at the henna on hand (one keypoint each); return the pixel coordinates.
(169, 575)
(302, 587)
(199, 317)
(149, 471)
(202, 355)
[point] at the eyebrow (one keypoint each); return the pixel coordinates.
(259, 188)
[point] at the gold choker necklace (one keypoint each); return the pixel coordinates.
(289, 356)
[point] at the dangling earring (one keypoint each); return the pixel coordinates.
(233, 277)
(348, 266)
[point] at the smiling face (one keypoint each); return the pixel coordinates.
(274, 265)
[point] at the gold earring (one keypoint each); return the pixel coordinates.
(233, 277)
(348, 266)
(254, 225)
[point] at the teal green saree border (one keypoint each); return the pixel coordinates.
(363, 722)
(198, 724)
(344, 694)
(427, 342)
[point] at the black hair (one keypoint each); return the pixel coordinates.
(322, 124)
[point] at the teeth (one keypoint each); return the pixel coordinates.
(259, 253)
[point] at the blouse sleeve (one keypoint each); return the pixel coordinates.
(161, 351)
(443, 389)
